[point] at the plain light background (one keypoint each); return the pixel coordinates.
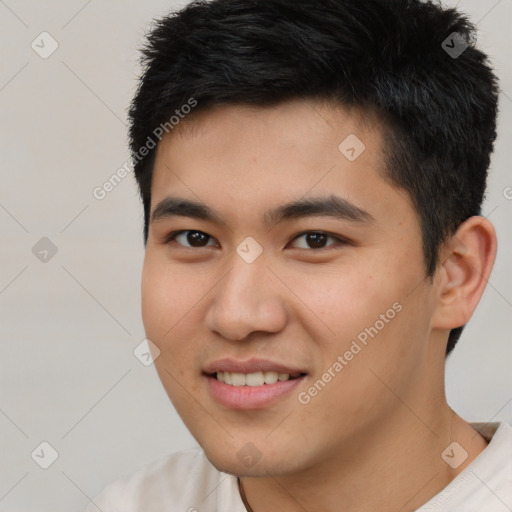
(69, 325)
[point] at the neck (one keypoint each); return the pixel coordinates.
(395, 465)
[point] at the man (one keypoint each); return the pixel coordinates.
(312, 173)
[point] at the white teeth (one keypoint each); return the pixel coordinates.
(255, 379)
(271, 377)
(238, 379)
(251, 379)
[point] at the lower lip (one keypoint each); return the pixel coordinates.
(250, 397)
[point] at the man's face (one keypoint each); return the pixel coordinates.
(336, 302)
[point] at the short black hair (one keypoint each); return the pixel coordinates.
(414, 63)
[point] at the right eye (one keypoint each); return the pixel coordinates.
(191, 239)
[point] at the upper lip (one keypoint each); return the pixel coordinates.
(250, 366)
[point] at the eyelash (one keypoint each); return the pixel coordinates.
(339, 240)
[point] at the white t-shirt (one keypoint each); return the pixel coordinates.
(187, 482)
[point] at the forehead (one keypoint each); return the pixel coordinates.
(247, 157)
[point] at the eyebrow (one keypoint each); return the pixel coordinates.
(330, 206)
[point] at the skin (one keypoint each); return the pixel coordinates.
(373, 437)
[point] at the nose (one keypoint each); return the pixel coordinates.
(248, 299)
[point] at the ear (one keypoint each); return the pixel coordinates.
(467, 259)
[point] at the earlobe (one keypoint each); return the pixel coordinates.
(465, 267)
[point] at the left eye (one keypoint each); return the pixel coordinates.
(315, 240)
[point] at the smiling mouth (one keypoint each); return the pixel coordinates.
(251, 390)
(254, 379)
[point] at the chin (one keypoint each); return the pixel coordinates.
(249, 461)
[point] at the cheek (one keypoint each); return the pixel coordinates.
(157, 300)
(340, 301)
(173, 305)
(167, 313)
(369, 302)
(168, 295)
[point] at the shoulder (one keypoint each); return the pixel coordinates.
(184, 481)
(486, 484)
